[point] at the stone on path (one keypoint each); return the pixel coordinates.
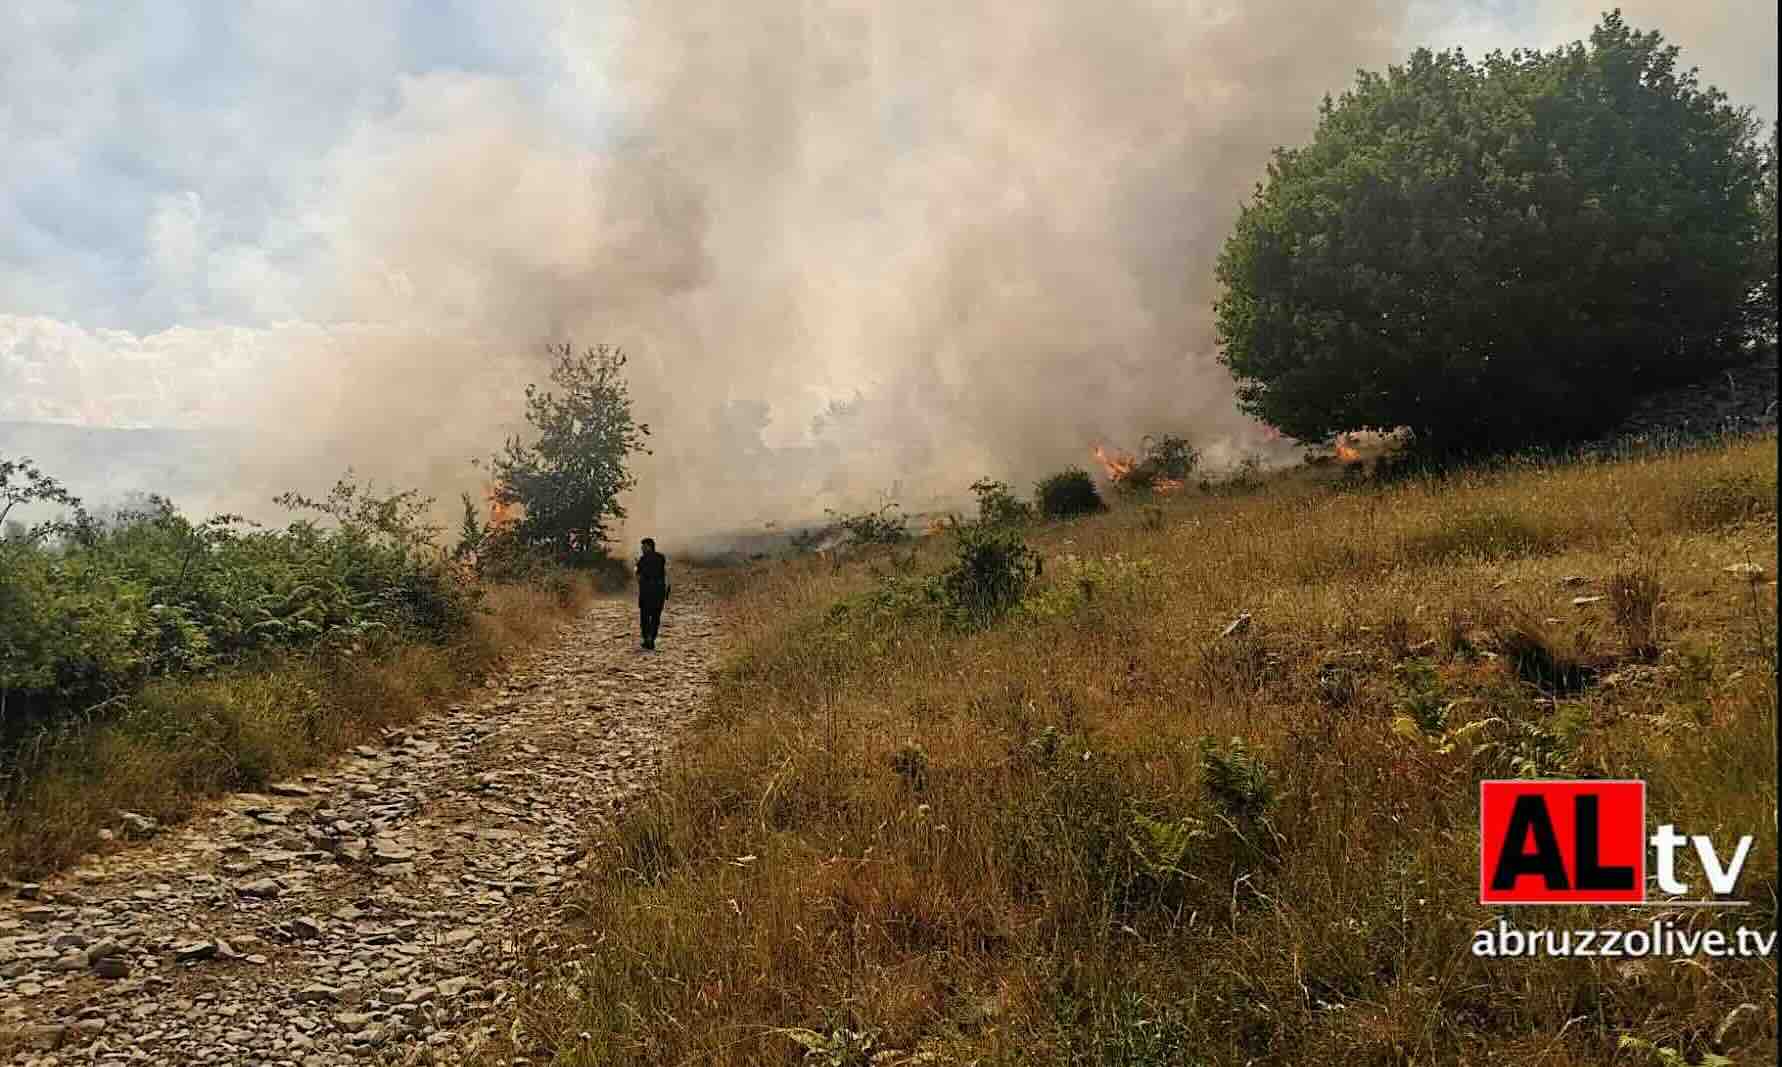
(414, 877)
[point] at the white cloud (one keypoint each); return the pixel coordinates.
(182, 377)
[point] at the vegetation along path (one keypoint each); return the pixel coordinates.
(375, 911)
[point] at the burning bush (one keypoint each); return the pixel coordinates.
(1067, 493)
(1162, 466)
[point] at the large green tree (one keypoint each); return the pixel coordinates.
(1498, 252)
(568, 481)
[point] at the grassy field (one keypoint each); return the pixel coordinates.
(185, 738)
(1101, 831)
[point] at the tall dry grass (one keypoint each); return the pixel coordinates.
(1098, 832)
(183, 740)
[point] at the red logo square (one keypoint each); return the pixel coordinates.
(1580, 841)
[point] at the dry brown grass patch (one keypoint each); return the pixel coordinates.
(1040, 843)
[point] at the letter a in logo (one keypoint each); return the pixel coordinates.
(1562, 842)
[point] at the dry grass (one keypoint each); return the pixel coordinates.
(184, 740)
(1099, 833)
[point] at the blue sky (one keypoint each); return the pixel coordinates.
(162, 157)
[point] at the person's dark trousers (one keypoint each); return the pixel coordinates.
(649, 610)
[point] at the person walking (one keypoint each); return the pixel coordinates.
(652, 590)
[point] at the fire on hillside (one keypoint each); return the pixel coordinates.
(1120, 467)
(500, 514)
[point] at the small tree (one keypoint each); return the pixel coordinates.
(470, 530)
(22, 482)
(568, 481)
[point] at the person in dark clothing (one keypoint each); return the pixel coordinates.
(652, 590)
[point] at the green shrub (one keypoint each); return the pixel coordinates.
(1067, 493)
(1133, 1030)
(611, 574)
(998, 505)
(911, 764)
(1235, 778)
(890, 601)
(1635, 595)
(989, 574)
(1606, 161)
(1537, 653)
(1075, 582)
(886, 526)
(90, 610)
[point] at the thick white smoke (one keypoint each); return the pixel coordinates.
(852, 247)
(988, 230)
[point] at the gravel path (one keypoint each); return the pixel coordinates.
(375, 911)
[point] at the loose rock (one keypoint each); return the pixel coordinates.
(414, 878)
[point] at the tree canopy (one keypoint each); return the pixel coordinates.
(1500, 252)
(568, 481)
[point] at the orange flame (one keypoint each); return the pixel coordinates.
(1346, 452)
(1120, 464)
(500, 514)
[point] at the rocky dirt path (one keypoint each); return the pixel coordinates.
(375, 911)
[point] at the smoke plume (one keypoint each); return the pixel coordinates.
(851, 248)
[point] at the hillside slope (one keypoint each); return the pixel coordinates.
(1210, 794)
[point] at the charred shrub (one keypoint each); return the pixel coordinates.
(1069, 492)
